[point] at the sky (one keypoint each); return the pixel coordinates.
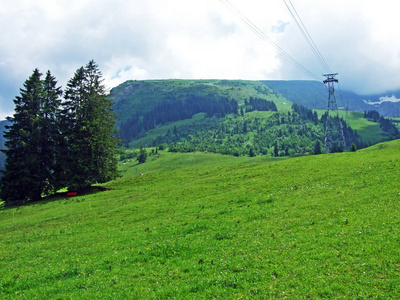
(187, 39)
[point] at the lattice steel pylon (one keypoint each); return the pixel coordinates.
(334, 136)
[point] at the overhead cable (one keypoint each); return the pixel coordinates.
(306, 34)
(265, 38)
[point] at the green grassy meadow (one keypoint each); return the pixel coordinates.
(205, 226)
(368, 130)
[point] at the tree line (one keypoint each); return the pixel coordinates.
(173, 110)
(59, 139)
(259, 105)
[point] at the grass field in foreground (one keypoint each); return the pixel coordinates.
(319, 227)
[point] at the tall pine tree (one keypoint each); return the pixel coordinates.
(31, 141)
(50, 131)
(87, 124)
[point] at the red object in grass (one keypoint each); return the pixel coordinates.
(72, 193)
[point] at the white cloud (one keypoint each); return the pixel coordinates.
(121, 69)
(4, 110)
(360, 41)
(155, 39)
(392, 99)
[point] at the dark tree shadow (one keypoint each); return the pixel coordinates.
(60, 196)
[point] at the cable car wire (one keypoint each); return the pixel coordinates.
(306, 35)
(265, 38)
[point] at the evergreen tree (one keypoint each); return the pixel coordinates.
(142, 155)
(276, 150)
(87, 125)
(251, 152)
(353, 147)
(31, 141)
(50, 131)
(245, 127)
(317, 147)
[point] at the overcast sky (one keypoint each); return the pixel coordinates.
(187, 39)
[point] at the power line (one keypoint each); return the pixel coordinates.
(306, 35)
(265, 38)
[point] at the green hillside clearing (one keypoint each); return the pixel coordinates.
(204, 226)
(368, 130)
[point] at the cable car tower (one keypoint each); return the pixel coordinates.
(334, 136)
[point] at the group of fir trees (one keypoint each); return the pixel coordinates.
(259, 104)
(57, 139)
(174, 110)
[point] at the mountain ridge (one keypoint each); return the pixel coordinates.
(309, 93)
(314, 95)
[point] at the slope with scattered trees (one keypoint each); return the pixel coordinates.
(226, 116)
(255, 133)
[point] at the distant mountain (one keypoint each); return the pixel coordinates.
(314, 95)
(2, 140)
(387, 104)
(140, 97)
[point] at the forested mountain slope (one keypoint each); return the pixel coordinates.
(141, 97)
(231, 116)
(2, 140)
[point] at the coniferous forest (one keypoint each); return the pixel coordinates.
(59, 139)
(171, 111)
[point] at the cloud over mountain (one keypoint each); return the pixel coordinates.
(196, 39)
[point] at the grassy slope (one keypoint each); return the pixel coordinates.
(202, 226)
(370, 131)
